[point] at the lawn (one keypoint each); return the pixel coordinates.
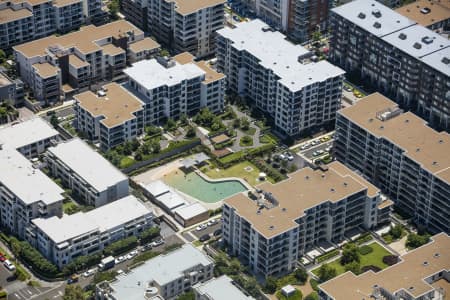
(125, 162)
(70, 207)
(237, 170)
(374, 258)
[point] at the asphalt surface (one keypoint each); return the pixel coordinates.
(308, 153)
(209, 230)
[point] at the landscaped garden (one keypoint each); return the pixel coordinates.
(245, 170)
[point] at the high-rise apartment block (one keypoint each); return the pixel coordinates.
(62, 65)
(278, 77)
(420, 274)
(287, 219)
(400, 58)
(186, 25)
(401, 155)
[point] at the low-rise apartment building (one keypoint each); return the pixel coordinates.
(11, 90)
(25, 192)
(185, 25)
(173, 87)
(63, 65)
(399, 58)
(433, 14)
(163, 277)
(278, 78)
(61, 240)
(285, 220)
(111, 116)
(423, 273)
(88, 174)
(401, 155)
(220, 288)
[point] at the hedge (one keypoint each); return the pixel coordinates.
(82, 262)
(390, 259)
(327, 255)
(121, 246)
(363, 250)
(149, 234)
(364, 238)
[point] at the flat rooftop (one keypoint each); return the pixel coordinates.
(426, 12)
(144, 44)
(161, 269)
(421, 143)
(62, 3)
(80, 158)
(186, 7)
(221, 288)
(84, 40)
(10, 15)
(77, 62)
(408, 275)
(101, 219)
(116, 106)
(275, 53)
(189, 211)
(303, 190)
(151, 74)
(26, 133)
(46, 70)
(27, 183)
(211, 75)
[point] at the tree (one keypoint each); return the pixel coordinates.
(396, 231)
(73, 292)
(354, 267)
(149, 234)
(237, 123)
(301, 275)
(235, 266)
(326, 272)
(146, 148)
(415, 240)
(54, 120)
(152, 130)
(316, 36)
(187, 296)
(171, 124)
(245, 123)
(312, 296)
(271, 285)
(2, 56)
(190, 132)
(156, 147)
(184, 119)
(113, 7)
(164, 52)
(350, 254)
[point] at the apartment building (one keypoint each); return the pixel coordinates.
(143, 49)
(111, 116)
(400, 58)
(63, 65)
(25, 192)
(11, 90)
(421, 274)
(185, 25)
(163, 277)
(401, 155)
(30, 138)
(173, 87)
(308, 16)
(135, 11)
(73, 162)
(220, 288)
(61, 240)
(278, 77)
(433, 14)
(287, 219)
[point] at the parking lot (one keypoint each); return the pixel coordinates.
(315, 148)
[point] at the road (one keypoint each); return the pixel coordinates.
(308, 153)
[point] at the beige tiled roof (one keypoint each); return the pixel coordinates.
(144, 44)
(303, 189)
(385, 203)
(185, 7)
(61, 3)
(409, 274)
(77, 62)
(83, 40)
(117, 106)
(112, 50)
(210, 76)
(439, 11)
(46, 70)
(421, 143)
(8, 15)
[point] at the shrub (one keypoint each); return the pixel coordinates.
(390, 259)
(327, 255)
(353, 267)
(314, 284)
(396, 231)
(415, 240)
(312, 296)
(364, 250)
(364, 238)
(326, 272)
(3, 295)
(149, 234)
(301, 275)
(121, 246)
(271, 285)
(370, 267)
(349, 254)
(82, 262)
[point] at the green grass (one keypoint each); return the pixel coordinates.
(249, 131)
(237, 170)
(246, 141)
(197, 243)
(297, 295)
(374, 258)
(125, 162)
(267, 138)
(70, 208)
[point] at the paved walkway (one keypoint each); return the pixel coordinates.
(239, 133)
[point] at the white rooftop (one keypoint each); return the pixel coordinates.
(189, 211)
(156, 188)
(27, 183)
(88, 164)
(221, 288)
(161, 269)
(274, 52)
(439, 60)
(151, 74)
(26, 133)
(171, 200)
(365, 13)
(101, 219)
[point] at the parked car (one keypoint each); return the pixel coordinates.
(2, 258)
(157, 243)
(11, 278)
(9, 265)
(347, 88)
(305, 146)
(132, 254)
(72, 279)
(119, 272)
(201, 227)
(89, 273)
(318, 152)
(204, 238)
(119, 259)
(217, 232)
(315, 142)
(282, 157)
(212, 222)
(146, 247)
(290, 157)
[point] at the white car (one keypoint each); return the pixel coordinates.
(290, 157)
(9, 265)
(119, 272)
(282, 156)
(132, 254)
(212, 222)
(316, 142)
(89, 273)
(318, 152)
(201, 227)
(157, 243)
(305, 146)
(119, 259)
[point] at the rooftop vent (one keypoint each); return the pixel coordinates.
(445, 60)
(435, 163)
(332, 190)
(101, 93)
(417, 45)
(307, 177)
(441, 141)
(258, 212)
(345, 183)
(323, 175)
(427, 40)
(284, 209)
(411, 288)
(377, 25)
(267, 28)
(271, 227)
(425, 263)
(376, 13)
(436, 255)
(417, 149)
(425, 10)
(362, 15)
(402, 36)
(370, 120)
(407, 121)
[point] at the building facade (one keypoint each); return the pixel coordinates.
(270, 233)
(11, 90)
(135, 11)
(420, 274)
(58, 66)
(399, 58)
(186, 25)
(401, 155)
(61, 240)
(278, 77)
(73, 162)
(309, 16)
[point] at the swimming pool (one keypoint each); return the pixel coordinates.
(207, 191)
